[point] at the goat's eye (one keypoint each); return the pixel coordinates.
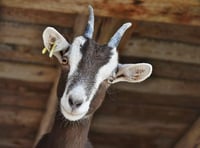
(64, 61)
(81, 46)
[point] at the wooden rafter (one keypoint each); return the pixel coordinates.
(48, 117)
(27, 72)
(179, 12)
(165, 50)
(191, 139)
(165, 31)
(37, 16)
(163, 86)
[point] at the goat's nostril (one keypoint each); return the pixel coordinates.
(71, 102)
(75, 103)
(78, 104)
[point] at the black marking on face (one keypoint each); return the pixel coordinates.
(94, 56)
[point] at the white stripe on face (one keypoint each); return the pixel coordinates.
(75, 54)
(105, 72)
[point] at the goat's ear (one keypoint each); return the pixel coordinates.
(54, 42)
(132, 73)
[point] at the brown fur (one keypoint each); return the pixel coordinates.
(68, 134)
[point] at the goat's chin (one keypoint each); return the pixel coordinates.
(72, 116)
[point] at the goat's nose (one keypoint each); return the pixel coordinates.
(75, 103)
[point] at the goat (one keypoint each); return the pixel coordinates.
(87, 70)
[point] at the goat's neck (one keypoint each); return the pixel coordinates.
(68, 134)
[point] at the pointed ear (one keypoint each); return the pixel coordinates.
(132, 73)
(54, 42)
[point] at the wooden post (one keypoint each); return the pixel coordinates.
(192, 137)
(48, 118)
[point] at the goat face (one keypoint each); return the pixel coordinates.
(89, 66)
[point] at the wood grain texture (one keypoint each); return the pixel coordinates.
(184, 33)
(15, 143)
(138, 98)
(165, 11)
(125, 125)
(20, 117)
(24, 34)
(166, 31)
(17, 132)
(19, 87)
(32, 101)
(106, 29)
(27, 72)
(37, 16)
(165, 50)
(151, 122)
(163, 86)
(128, 140)
(49, 115)
(24, 54)
(145, 113)
(79, 25)
(191, 137)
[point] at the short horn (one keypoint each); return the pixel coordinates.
(114, 41)
(90, 25)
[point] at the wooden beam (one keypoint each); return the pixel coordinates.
(31, 101)
(171, 11)
(98, 140)
(16, 136)
(48, 117)
(161, 114)
(24, 34)
(139, 98)
(106, 29)
(180, 71)
(24, 54)
(21, 34)
(24, 88)
(162, 50)
(183, 33)
(140, 120)
(16, 132)
(143, 120)
(162, 86)
(27, 72)
(13, 143)
(19, 117)
(79, 25)
(165, 31)
(37, 16)
(191, 138)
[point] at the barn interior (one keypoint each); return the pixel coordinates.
(161, 112)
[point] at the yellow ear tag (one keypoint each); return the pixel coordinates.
(52, 50)
(44, 50)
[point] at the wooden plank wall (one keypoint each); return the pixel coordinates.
(151, 111)
(157, 112)
(26, 77)
(154, 114)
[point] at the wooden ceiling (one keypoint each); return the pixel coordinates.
(162, 112)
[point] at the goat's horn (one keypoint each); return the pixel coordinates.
(114, 41)
(90, 25)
